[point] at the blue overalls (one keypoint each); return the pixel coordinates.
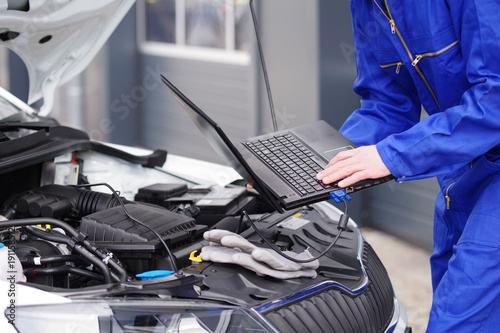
(444, 56)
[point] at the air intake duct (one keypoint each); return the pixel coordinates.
(58, 201)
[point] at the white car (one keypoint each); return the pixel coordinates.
(103, 238)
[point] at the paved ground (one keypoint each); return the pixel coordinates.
(409, 270)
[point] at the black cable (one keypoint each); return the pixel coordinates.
(120, 201)
(240, 224)
(344, 219)
(263, 63)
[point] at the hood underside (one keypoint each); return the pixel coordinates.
(57, 39)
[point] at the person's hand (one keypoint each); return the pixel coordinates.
(354, 165)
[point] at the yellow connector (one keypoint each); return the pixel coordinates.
(195, 256)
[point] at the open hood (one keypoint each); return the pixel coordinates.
(57, 39)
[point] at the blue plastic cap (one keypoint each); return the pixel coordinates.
(1, 245)
(150, 275)
(339, 195)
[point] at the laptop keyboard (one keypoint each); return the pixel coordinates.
(292, 161)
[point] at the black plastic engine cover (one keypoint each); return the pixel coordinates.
(114, 230)
(134, 244)
(296, 230)
(352, 292)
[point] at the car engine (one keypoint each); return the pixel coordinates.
(59, 231)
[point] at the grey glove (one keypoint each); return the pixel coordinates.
(228, 247)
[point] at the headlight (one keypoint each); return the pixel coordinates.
(138, 316)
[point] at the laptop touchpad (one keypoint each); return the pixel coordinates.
(331, 153)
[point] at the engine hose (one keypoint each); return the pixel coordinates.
(40, 220)
(59, 200)
(114, 265)
(71, 232)
(62, 270)
(77, 248)
(37, 261)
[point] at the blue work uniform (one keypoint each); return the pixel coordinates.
(442, 56)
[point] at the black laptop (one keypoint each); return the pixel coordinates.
(281, 165)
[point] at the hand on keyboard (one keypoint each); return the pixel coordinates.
(354, 165)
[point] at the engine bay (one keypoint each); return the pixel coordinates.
(59, 231)
(76, 236)
(132, 227)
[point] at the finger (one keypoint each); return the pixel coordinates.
(341, 156)
(353, 179)
(338, 175)
(342, 160)
(334, 168)
(339, 170)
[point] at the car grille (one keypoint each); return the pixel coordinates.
(335, 310)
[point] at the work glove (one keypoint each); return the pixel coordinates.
(230, 248)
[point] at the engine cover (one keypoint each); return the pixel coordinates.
(134, 243)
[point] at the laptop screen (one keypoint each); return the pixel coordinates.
(212, 132)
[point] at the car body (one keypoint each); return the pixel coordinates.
(105, 238)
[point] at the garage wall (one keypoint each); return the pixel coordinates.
(226, 92)
(289, 31)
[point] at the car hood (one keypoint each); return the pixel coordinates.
(57, 39)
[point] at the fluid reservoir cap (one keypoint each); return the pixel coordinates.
(150, 275)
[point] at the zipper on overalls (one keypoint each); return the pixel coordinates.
(397, 64)
(387, 15)
(447, 196)
(393, 26)
(394, 30)
(418, 57)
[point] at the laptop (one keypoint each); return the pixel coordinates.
(282, 165)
